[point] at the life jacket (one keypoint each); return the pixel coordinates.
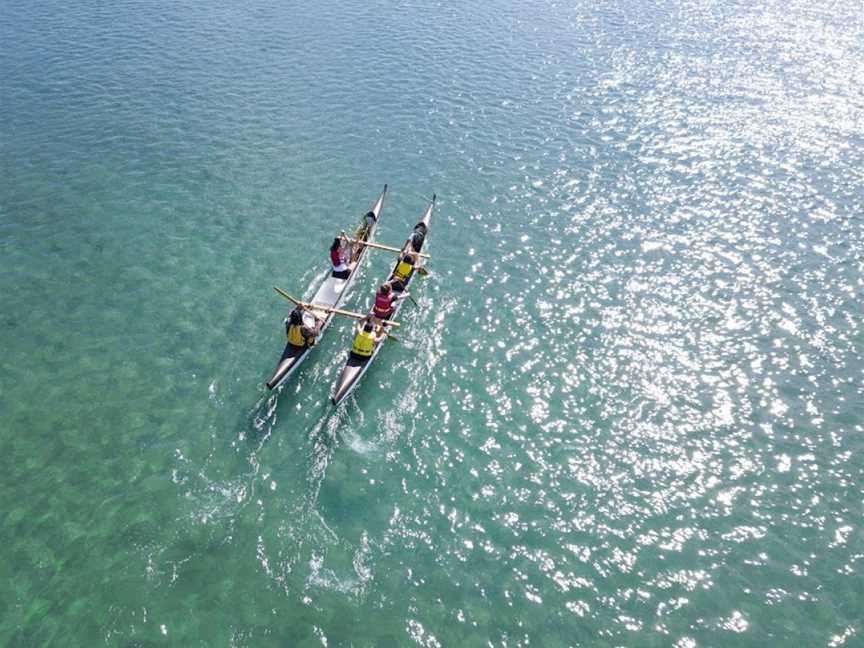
(403, 270)
(364, 343)
(295, 335)
(337, 260)
(383, 304)
(417, 239)
(369, 220)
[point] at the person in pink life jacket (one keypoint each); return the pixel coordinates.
(385, 299)
(338, 259)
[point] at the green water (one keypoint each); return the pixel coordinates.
(626, 412)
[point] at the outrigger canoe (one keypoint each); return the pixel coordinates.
(357, 365)
(330, 294)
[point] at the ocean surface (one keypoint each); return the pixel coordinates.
(626, 411)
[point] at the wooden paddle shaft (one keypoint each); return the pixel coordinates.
(327, 309)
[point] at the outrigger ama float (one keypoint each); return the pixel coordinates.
(330, 294)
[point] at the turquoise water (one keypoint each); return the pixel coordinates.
(627, 412)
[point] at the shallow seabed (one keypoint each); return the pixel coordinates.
(627, 412)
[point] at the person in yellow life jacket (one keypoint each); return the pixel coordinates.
(302, 328)
(366, 337)
(405, 267)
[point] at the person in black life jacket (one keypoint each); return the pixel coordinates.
(301, 333)
(418, 236)
(337, 258)
(416, 241)
(362, 235)
(368, 221)
(385, 300)
(366, 337)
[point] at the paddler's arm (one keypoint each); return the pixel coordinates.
(308, 335)
(346, 247)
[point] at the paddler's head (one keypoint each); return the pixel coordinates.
(368, 326)
(385, 288)
(296, 317)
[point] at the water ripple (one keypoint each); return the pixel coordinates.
(627, 411)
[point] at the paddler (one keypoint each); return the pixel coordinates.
(339, 260)
(367, 337)
(369, 220)
(405, 267)
(301, 333)
(418, 236)
(385, 300)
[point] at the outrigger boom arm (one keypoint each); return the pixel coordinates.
(327, 309)
(389, 248)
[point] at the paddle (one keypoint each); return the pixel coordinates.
(378, 246)
(326, 309)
